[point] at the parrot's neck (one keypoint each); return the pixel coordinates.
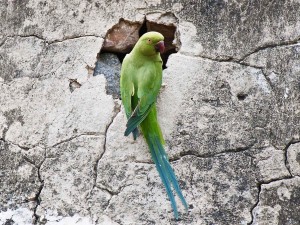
(137, 55)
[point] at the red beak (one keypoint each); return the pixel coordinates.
(160, 47)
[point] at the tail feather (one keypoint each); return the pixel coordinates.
(171, 173)
(165, 171)
(135, 133)
(159, 166)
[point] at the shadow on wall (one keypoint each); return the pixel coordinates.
(120, 40)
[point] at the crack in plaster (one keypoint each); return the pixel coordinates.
(25, 148)
(219, 58)
(76, 136)
(3, 42)
(213, 155)
(286, 160)
(202, 156)
(38, 202)
(271, 45)
(66, 38)
(262, 69)
(255, 205)
(259, 186)
(29, 161)
(275, 180)
(241, 62)
(117, 109)
(112, 193)
(225, 58)
(37, 196)
(233, 59)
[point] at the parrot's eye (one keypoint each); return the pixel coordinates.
(149, 41)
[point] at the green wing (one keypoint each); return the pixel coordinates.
(126, 86)
(148, 81)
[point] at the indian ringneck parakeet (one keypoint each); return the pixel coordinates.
(141, 78)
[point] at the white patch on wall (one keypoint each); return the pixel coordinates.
(273, 77)
(21, 216)
(75, 220)
(283, 193)
(262, 82)
(286, 92)
(188, 35)
(25, 171)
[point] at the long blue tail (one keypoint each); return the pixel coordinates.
(165, 171)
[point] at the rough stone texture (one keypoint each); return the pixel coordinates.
(281, 68)
(20, 216)
(166, 24)
(41, 117)
(109, 65)
(122, 37)
(212, 113)
(293, 157)
(219, 189)
(82, 154)
(235, 29)
(229, 111)
(19, 178)
(279, 203)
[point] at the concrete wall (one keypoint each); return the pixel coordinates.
(229, 110)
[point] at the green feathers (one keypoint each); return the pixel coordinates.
(136, 118)
(141, 77)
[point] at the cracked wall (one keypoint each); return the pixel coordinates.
(229, 111)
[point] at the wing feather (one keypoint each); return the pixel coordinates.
(126, 86)
(148, 82)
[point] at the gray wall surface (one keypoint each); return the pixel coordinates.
(229, 109)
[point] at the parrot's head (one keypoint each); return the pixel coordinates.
(151, 43)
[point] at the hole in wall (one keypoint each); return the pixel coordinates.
(143, 28)
(73, 84)
(120, 40)
(169, 33)
(241, 96)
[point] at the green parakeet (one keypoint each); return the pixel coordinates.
(141, 78)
